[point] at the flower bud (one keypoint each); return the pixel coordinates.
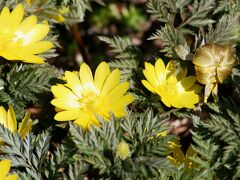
(123, 151)
(213, 64)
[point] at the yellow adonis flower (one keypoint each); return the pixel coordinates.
(5, 166)
(174, 88)
(60, 14)
(178, 157)
(22, 40)
(83, 97)
(8, 119)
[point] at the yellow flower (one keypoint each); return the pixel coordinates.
(29, 2)
(22, 40)
(174, 144)
(60, 14)
(123, 150)
(4, 169)
(8, 119)
(213, 64)
(83, 97)
(174, 88)
(162, 134)
(179, 158)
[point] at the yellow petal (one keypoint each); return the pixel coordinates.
(172, 80)
(190, 152)
(116, 93)
(74, 83)
(27, 24)
(148, 86)
(178, 156)
(186, 83)
(86, 77)
(4, 20)
(11, 119)
(11, 177)
(175, 102)
(188, 99)
(165, 101)
(38, 47)
(3, 116)
(126, 100)
(66, 104)
(118, 107)
(26, 130)
(9, 55)
(170, 69)
(182, 74)
(68, 115)
(16, 17)
(26, 125)
(160, 71)
(101, 75)
(170, 158)
(112, 81)
(196, 88)
(29, 58)
(4, 168)
(87, 120)
(37, 33)
(5, 12)
(60, 91)
(150, 75)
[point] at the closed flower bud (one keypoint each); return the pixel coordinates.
(123, 151)
(213, 64)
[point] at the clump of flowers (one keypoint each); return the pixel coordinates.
(172, 85)
(5, 166)
(8, 119)
(83, 97)
(213, 64)
(123, 150)
(22, 39)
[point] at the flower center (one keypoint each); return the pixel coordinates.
(168, 89)
(9, 41)
(4, 43)
(89, 100)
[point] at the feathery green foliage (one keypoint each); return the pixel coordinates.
(29, 154)
(66, 151)
(23, 84)
(127, 56)
(98, 146)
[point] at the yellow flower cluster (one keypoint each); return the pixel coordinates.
(173, 87)
(22, 39)
(4, 169)
(8, 119)
(83, 97)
